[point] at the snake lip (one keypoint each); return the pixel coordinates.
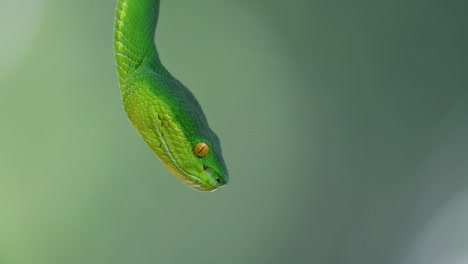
(209, 170)
(218, 182)
(204, 186)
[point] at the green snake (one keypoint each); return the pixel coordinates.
(161, 108)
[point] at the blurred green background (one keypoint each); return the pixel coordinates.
(343, 124)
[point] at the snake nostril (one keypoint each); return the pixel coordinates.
(218, 180)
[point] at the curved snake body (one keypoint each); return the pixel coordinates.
(162, 109)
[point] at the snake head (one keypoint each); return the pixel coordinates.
(189, 149)
(203, 170)
(210, 172)
(172, 123)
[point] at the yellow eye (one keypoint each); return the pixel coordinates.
(201, 149)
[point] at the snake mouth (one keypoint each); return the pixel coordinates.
(209, 184)
(212, 174)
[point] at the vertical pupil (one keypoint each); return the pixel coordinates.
(201, 149)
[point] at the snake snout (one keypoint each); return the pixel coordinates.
(219, 181)
(215, 178)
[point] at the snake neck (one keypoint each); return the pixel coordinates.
(134, 30)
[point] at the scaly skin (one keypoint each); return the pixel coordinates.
(162, 109)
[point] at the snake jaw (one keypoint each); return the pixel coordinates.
(207, 181)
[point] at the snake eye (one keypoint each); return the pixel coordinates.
(201, 149)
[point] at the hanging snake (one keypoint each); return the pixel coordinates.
(164, 112)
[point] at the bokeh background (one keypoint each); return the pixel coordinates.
(344, 126)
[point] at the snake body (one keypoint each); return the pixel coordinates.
(163, 111)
